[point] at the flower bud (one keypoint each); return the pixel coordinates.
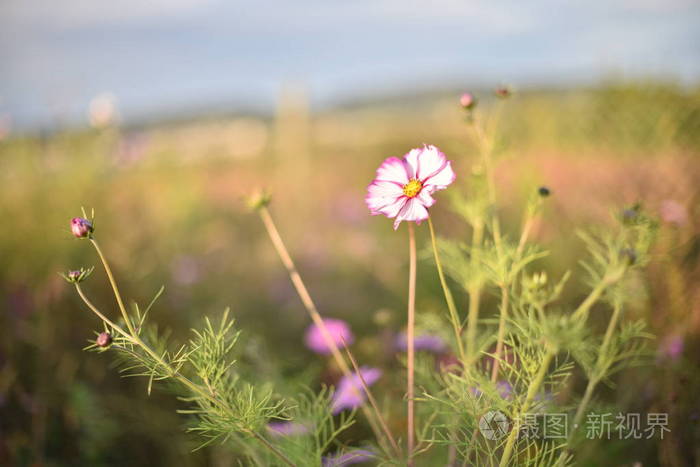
(544, 191)
(629, 254)
(259, 200)
(467, 101)
(104, 340)
(78, 275)
(80, 227)
(503, 92)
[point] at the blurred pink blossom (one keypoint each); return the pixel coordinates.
(349, 393)
(339, 331)
(673, 212)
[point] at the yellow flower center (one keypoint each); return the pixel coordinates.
(412, 188)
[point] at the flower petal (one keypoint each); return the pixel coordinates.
(413, 161)
(381, 194)
(435, 169)
(413, 210)
(425, 197)
(394, 170)
(441, 179)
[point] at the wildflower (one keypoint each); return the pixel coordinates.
(339, 331)
(403, 187)
(258, 200)
(673, 212)
(287, 428)
(503, 92)
(350, 394)
(672, 347)
(544, 191)
(104, 340)
(80, 227)
(78, 275)
(427, 342)
(353, 457)
(468, 101)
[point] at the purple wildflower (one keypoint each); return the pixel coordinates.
(427, 342)
(339, 331)
(287, 428)
(672, 347)
(349, 394)
(353, 457)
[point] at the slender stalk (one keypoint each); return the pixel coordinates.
(505, 296)
(531, 392)
(195, 388)
(310, 306)
(410, 334)
(593, 381)
(117, 295)
(474, 292)
(585, 306)
(371, 399)
(527, 227)
(269, 446)
(99, 313)
(454, 317)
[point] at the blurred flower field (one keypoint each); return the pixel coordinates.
(170, 203)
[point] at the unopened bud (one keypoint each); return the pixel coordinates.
(259, 200)
(78, 275)
(80, 227)
(629, 254)
(467, 101)
(503, 92)
(104, 340)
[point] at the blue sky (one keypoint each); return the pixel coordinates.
(165, 56)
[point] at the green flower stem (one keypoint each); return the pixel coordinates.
(371, 398)
(582, 311)
(474, 292)
(118, 296)
(505, 297)
(310, 307)
(410, 331)
(593, 381)
(193, 387)
(531, 392)
(454, 317)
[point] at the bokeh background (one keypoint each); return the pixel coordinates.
(163, 116)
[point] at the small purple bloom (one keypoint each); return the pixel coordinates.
(504, 389)
(287, 428)
(353, 457)
(349, 394)
(339, 331)
(424, 342)
(81, 227)
(672, 347)
(74, 275)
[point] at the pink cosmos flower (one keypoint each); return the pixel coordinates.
(403, 188)
(350, 394)
(339, 331)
